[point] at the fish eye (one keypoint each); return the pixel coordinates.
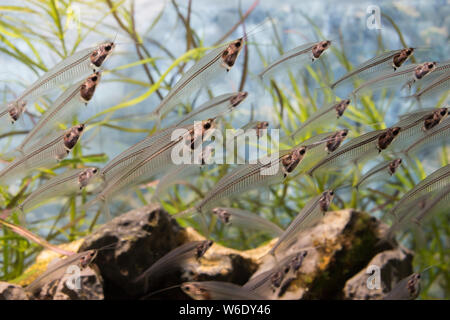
(94, 78)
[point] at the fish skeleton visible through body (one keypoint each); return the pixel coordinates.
(200, 74)
(390, 60)
(46, 152)
(63, 109)
(79, 65)
(297, 56)
(70, 182)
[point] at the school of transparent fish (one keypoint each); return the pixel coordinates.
(47, 144)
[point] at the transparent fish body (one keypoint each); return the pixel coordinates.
(129, 156)
(405, 76)
(380, 172)
(438, 202)
(417, 125)
(78, 65)
(217, 290)
(173, 259)
(199, 75)
(62, 111)
(152, 161)
(213, 108)
(371, 68)
(356, 150)
(57, 270)
(406, 289)
(67, 183)
(437, 180)
(246, 177)
(306, 218)
(316, 150)
(436, 136)
(322, 118)
(293, 59)
(44, 154)
(247, 220)
(436, 88)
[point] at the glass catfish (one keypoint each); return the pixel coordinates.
(172, 260)
(63, 109)
(214, 64)
(78, 65)
(405, 75)
(390, 60)
(306, 218)
(296, 57)
(153, 160)
(46, 153)
(67, 183)
(217, 290)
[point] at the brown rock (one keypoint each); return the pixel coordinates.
(9, 291)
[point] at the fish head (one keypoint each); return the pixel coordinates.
(262, 125)
(101, 53)
(86, 175)
(87, 258)
(196, 291)
(15, 109)
(401, 57)
(385, 139)
(297, 261)
(325, 200)
(203, 247)
(435, 118)
(87, 89)
(238, 98)
(336, 139)
(276, 279)
(199, 132)
(230, 54)
(320, 47)
(424, 69)
(393, 165)
(291, 160)
(222, 214)
(341, 106)
(413, 285)
(72, 135)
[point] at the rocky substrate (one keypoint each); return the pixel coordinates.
(341, 247)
